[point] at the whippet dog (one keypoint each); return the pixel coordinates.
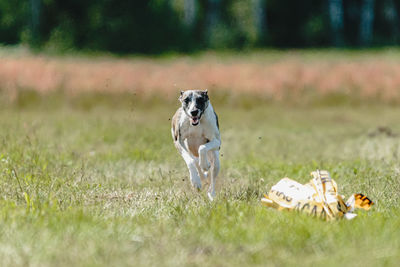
(196, 135)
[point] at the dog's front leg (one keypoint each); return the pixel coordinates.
(194, 175)
(191, 164)
(203, 149)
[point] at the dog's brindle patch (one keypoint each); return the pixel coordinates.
(175, 128)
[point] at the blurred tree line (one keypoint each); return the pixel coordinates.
(152, 26)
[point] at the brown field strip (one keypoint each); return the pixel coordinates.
(276, 77)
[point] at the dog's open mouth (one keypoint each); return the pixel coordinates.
(195, 120)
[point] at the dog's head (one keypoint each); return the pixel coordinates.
(194, 103)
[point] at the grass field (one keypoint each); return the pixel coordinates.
(94, 180)
(106, 187)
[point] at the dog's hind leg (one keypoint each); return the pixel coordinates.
(213, 173)
(203, 175)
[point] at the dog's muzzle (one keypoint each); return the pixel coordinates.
(195, 120)
(195, 117)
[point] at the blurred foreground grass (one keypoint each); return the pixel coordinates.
(96, 181)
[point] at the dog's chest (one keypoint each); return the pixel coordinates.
(195, 138)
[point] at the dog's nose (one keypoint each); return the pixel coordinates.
(194, 112)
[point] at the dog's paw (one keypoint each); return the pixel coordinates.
(211, 196)
(196, 183)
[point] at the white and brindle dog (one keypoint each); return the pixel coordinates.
(195, 131)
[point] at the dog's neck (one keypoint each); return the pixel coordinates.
(209, 109)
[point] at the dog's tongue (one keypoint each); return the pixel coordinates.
(195, 120)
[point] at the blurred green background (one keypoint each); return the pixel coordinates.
(155, 26)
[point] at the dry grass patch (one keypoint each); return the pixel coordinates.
(276, 75)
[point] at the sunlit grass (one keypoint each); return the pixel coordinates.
(86, 184)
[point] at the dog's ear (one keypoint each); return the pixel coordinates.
(205, 93)
(180, 96)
